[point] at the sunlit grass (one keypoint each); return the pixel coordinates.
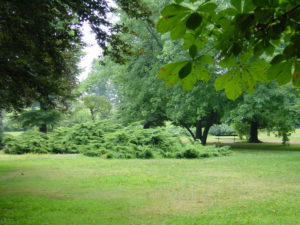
(250, 187)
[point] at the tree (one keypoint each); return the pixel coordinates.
(38, 117)
(200, 108)
(242, 35)
(97, 104)
(270, 107)
(99, 80)
(40, 43)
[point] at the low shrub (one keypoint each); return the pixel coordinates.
(107, 140)
(196, 150)
(29, 141)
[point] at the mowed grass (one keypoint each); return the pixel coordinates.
(262, 135)
(253, 186)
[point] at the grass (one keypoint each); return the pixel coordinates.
(256, 185)
(263, 136)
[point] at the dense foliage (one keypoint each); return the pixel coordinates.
(40, 44)
(108, 140)
(241, 35)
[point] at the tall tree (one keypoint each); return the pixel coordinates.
(270, 107)
(38, 41)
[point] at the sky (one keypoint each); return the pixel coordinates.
(92, 51)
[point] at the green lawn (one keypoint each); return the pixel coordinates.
(250, 187)
(263, 136)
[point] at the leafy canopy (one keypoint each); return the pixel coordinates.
(242, 36)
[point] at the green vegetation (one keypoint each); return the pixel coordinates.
(107, 140)
(245, 39)
(50, 123)
(251, 187)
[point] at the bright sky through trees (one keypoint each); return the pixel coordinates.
(92, 51)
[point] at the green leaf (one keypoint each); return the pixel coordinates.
(189, 40)
(194, 21)
(166, 24)
(237, 4)
(208, 7)
(259, 48)
(282, 72)
(173, 10)
(258, 70)
(188, 82)
(222, 80)
(178, 32)
(270, 49)
(170, 72)
(296, 75)
(193, 51)
(228, 12)
(277, 59)
(179, 1)
(205, 59)
(185, 71)
(248, 81)
(228, 63)
(233, 88)
(286, 75)
(248, 6)
(202, 73)
(274, 71)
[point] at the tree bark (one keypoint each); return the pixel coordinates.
(198, 130)
(147, 125)
(254, 132)
(205, 134)
(92, 114)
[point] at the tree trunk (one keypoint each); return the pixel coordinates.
(92, 114)
(147, 125)
(189, 130)
(43, 127)
(205, 134)
(198, 130)
(254, 132)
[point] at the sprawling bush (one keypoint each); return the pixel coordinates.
(29, 141)
(107, 140)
